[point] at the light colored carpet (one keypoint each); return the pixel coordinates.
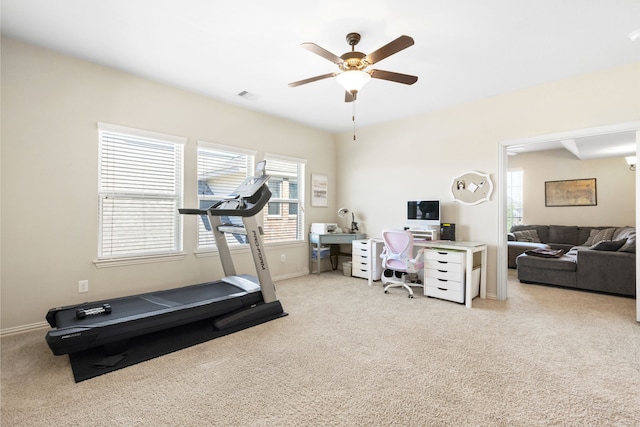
(349, 355)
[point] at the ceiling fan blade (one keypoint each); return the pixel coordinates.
(312, 47)
(348, 96)
(389, 49)
(394, 77)
(311, 79)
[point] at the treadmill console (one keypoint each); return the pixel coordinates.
(247, 200)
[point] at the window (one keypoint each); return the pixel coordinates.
(220, 171)
(140, 191)
(514, 197)
(284, 219)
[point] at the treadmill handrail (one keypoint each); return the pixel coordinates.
(251, 209)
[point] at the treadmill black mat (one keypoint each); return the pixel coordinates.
(96, 361)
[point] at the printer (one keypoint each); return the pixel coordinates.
(323, 227)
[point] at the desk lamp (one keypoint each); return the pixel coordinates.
(342, 212)
(354, 224)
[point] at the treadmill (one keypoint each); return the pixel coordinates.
(233, 303)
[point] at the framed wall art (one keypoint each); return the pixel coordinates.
(319, 190)
(571, 192)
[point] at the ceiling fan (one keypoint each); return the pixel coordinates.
(354, 66)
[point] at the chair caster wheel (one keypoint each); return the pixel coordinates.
(386, 292)
(410, 296)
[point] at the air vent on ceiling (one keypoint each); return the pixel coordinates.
(248, 95)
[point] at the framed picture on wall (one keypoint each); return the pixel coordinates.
(571, 192)
(319, 190)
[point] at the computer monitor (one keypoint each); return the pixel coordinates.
(423, 214)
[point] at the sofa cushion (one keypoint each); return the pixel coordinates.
(527, 236)
(596, 236)
(564, 263)
(517, 248)
(563, 234)
(609, 245)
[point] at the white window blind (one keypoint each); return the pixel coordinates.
(140, 190)
(284, 216)
(220, 172)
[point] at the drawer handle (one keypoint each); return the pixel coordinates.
(443, 271)
(443, 262)
(443, 280)
(442, 289)
(443, 253)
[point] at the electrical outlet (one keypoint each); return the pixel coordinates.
(83, 286)
(283, 258)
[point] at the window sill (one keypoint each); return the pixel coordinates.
(118, 262)
(201, 253)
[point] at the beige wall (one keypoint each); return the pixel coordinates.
(419, 157)
(616, 189)
(51, 104)
(50, 107)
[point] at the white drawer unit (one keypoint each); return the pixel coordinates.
(444, 274)
(441, 255)
(365, 257)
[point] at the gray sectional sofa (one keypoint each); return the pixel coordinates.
(599, 259)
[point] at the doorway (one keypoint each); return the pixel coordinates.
(544, 140)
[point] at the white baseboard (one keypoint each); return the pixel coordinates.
(290, 276)
(24, 328)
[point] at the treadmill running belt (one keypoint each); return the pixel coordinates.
(140, 314)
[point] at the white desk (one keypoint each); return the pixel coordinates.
(329, 239)
(470, 248)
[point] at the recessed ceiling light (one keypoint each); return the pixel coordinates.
(635, 35)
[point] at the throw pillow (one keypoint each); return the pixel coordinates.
(527, 236)
(598, 235)
(630, 245)
(609, 245)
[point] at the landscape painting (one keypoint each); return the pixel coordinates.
(574, 192)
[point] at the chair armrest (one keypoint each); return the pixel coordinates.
(418, 256)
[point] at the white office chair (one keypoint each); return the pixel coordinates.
(398, 260)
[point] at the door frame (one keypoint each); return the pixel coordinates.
(502, 273)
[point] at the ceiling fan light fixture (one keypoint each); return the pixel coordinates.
(353, 80)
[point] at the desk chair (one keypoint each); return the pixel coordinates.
(397, 261)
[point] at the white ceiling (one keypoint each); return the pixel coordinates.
(615, 144)
(464, 50)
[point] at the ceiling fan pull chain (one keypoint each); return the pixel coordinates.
(353, 118)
